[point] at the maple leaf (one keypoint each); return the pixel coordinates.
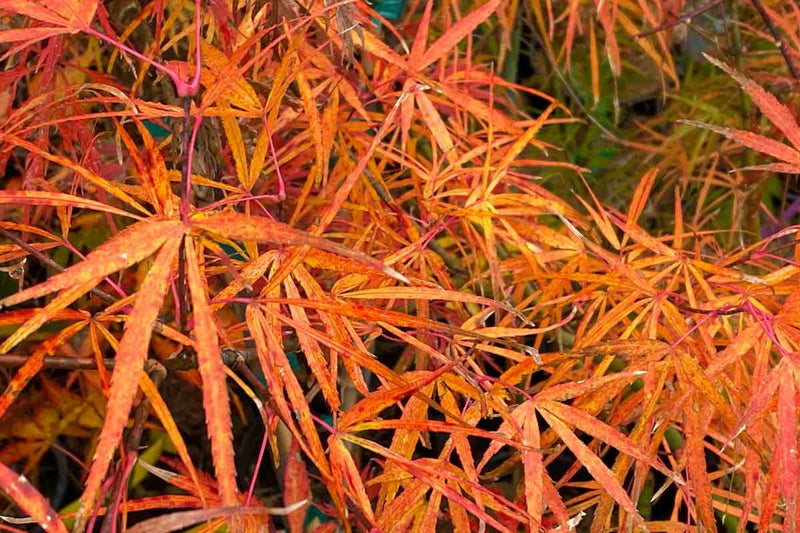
(64, 16)
(778, 114)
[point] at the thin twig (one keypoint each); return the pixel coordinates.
(684, 17)
(90, 363)
(186, 158)
(781, 43)
(49, 262)
(237, 361)
(157, 374)
(158, 325)
(185, 193)
(56, 362)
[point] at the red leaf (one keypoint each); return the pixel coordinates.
(68, 16)
(777, 113)
(296, 487)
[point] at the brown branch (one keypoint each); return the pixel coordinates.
(55, 362)
(781, 43)
(157, 373)
(237, 361)
(684, 17)
(90, 363)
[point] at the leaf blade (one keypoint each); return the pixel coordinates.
(212, 372)
(128, 366)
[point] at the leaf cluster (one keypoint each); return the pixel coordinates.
(272, 264)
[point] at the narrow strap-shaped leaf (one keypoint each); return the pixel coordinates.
(68, 15)
(534, 471)
(47, 312)
(30, 500)
(128, 366)
(752, 140)
(786, 445)
(697, 466)
(777, 113)
(85, 173)
(311, 349)
(603, 432)
(261, 229)
(593, 464)
(212, 372)
(296, 487)
(458, 31)
(345, 472)
(57, 199)
(128, 247)
(34, 364)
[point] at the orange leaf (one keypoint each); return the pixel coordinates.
(47, 312)
(31, 35)
(603, 432)
(279, 377)
(34, 364)
(30, 500)
(56, 199)
(570, 390)
(601, 473)
(777, 113)
(312, 351)
(260, 229)
(68, 16)
(421, 37)
(533, 467)
(458, 31)
(152, 170)
(236, 143)
(427, 293)
(224, 80)
(698, 469)
(296, 487)
(212, 371)
(435, 123)
(752, 140)
(434, 477)
(786, 445)
(641, 195)
(345, 471)
(128, 366)
(128, 247)
(85, 173)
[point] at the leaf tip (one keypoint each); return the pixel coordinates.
(392, 273)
